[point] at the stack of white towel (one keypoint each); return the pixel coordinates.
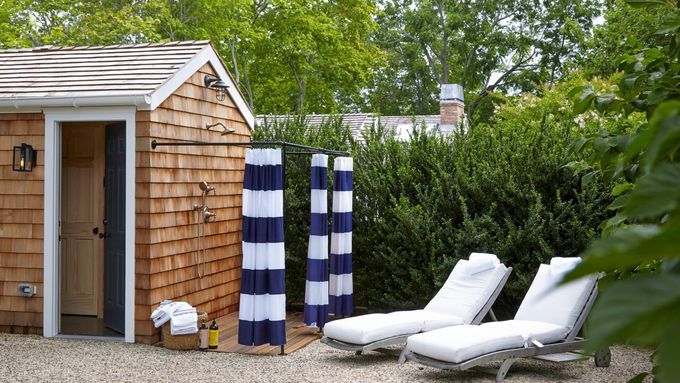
(183, 318)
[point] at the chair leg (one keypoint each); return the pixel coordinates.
(603, 357)
(503, 369)
(492, 315)
(402, 356)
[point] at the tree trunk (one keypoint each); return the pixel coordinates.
(444, 57)
(249, 90)
(234, 61)
(301, 89)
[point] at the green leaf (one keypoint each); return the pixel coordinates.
(589, 178)
(584, 100)
(669, 354)
(619, 202)
(578, 166)
(644, 3)
(611, 224)
(655, 193)
(576, 146)
(639, 309)
(628, 81)
(665, 125)
(603, 103)
(628, 247)
(670, 23)
(656, 97)
(639, 378)
(576, 90)
(640, 142)
(621, 188)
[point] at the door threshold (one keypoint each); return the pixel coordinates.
(91, 337)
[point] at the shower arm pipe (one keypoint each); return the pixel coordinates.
(282, 144)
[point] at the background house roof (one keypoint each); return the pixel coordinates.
(358, 123)
(140, 74)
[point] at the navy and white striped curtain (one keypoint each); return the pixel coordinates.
(340, 286)
(316, 285)
(262, 314)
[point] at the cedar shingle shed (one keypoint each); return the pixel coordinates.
(103, 226)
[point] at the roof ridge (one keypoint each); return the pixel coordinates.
(52, 48)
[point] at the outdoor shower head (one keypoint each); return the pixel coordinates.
(205, 187)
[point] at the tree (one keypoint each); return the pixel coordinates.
(283, 51)
(12, 20)
(238, 37)
(625, 29)
(314, 52)
(72, 22)
(482, 45)
(639, 250)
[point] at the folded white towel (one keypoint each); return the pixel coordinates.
(559, 267)
(165, 312)
(187, 331)
(157, 313)
(479, 262)
(184, 321)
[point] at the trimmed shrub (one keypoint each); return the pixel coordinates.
(421, 205)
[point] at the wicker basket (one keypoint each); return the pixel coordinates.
(182, 342)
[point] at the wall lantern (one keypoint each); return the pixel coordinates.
(217, 84)
(25, 158)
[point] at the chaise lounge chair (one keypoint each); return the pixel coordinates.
(545, 327)
(466, 297)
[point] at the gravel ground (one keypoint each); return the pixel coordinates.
(37, 359)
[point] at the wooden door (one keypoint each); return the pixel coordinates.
(81, 212)
(114, 245)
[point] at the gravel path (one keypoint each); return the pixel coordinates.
(37, 359)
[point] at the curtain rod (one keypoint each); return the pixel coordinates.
(283, 144)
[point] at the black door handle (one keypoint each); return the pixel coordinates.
(104, 235)
(95, 230)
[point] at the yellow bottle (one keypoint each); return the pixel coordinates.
(214, 335)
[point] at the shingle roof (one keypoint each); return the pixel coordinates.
(143, 75)
(91, 71)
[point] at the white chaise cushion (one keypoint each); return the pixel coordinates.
(557, 304)
(369, 328)
(457, 302)
(461, 343)
(545, 333)
(464, 295)
(478, 262)
(559, 267)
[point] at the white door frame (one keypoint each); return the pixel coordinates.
(53, 118)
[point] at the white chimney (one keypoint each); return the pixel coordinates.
(451, 107)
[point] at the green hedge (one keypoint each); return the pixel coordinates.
(421, 205)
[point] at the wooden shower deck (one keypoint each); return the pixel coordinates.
(297, 336)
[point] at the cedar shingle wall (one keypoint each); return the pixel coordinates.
(21, 224)
(166, 190)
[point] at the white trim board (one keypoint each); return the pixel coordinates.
(206, 55)
(53, 118)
